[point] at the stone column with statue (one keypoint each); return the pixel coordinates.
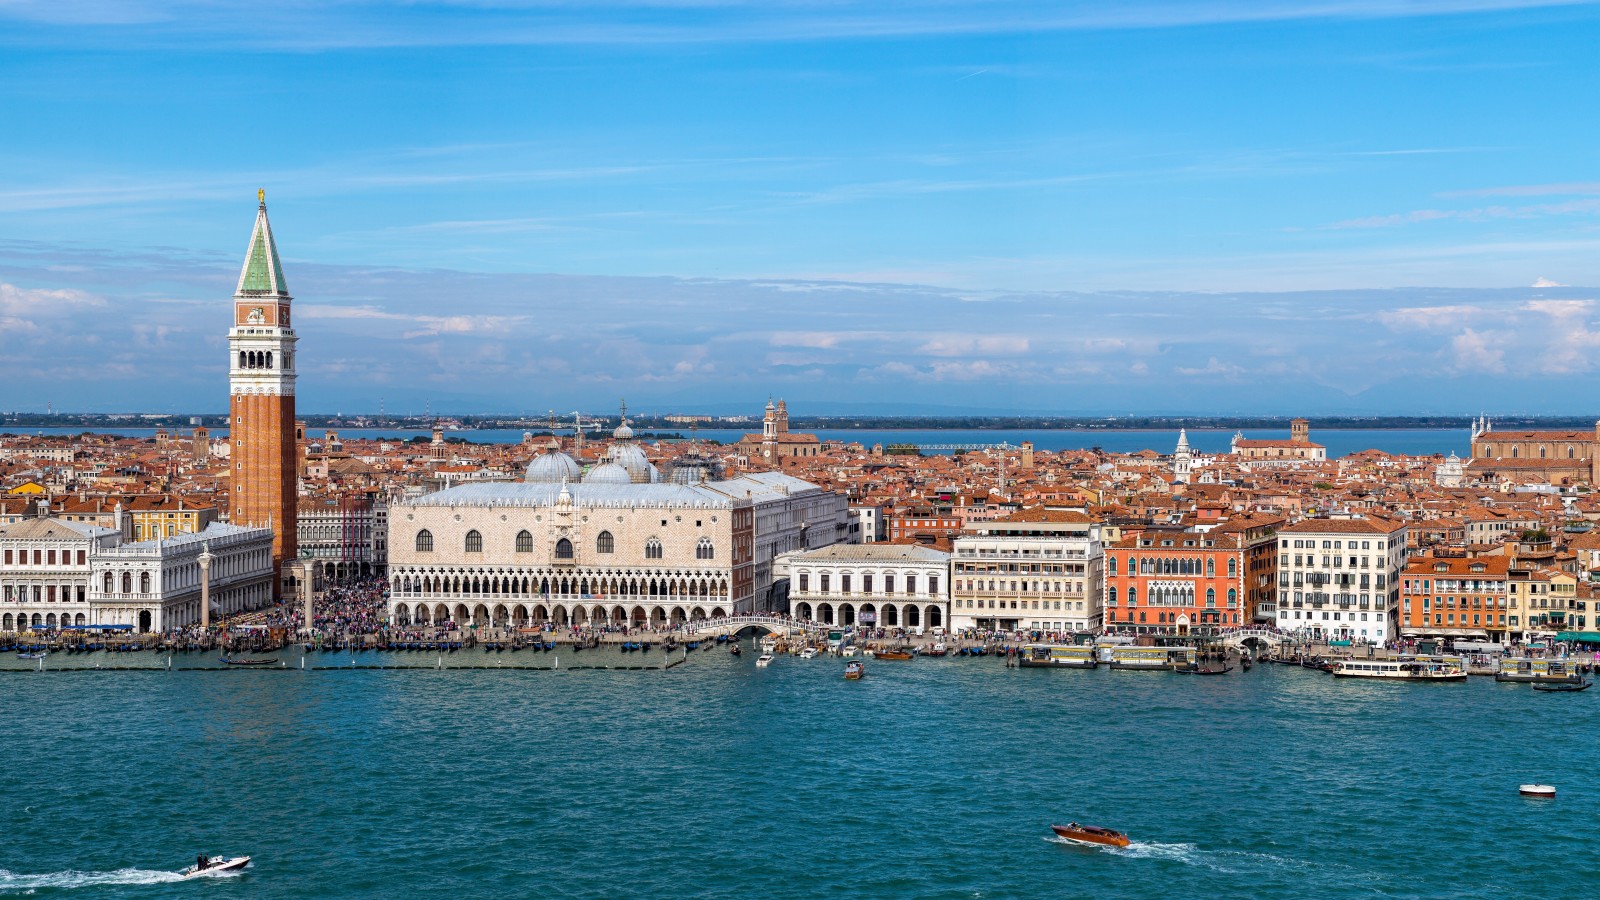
(205, 586)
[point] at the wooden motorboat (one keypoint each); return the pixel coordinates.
(218, 866)
(1090, 835)
(1542, 791)
(893, 654)
(1568, 687)
(854, 669)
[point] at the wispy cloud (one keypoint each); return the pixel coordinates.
(310, 26)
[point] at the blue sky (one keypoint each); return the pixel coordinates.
(1273, 207)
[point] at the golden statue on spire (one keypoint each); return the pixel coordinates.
(261, 196)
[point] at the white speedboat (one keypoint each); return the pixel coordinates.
(764, 660)
(851, 650)
(217, 866)
(808, 653)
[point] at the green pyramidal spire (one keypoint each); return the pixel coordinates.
(263, 273)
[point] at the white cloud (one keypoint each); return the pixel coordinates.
(1542, 282)
(1473, 351)
(1214, 368)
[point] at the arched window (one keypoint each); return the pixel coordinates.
(1233, 567)
(1133, 596)
(1211, 597)
(652, 549)
(1514, 451)
(424, 541)
(127, 583)
(563, 549)
(605, 543)
(705, 550)
(474, 541)
(1111, 564)
(144, 582)
(107, 583)
(1211, 567)
(1111, 596)
(524, 542)
(241, 359)
(269, 359)
(1233, 597)
(1541, 451)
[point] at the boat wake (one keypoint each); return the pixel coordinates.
(12, 882)
(1230, 862)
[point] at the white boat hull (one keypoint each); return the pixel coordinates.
(219, 868)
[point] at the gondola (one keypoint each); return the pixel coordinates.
(253, 661)
(1197, 671)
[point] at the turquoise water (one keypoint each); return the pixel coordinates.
(933, 778)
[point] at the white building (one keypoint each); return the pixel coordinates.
(59, 573)
(347, 536)
(1037, 569)
(618, 547)
(1339, 578)
(866, 524)
(887, 585)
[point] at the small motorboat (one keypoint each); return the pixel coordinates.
(1542, 791)
(1090, 835)
(808, 653)
(851, 650)
(854, 669)
(893, 654)
(217, 866)
(764, 660)
(938, 649)
(1568, 687)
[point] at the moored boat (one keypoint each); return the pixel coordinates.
(893, 654)
(1397, 670)
(1565, 687)
(1090, 835)
(1034, 656)
(938, 649)
(1522, 668)
(854, 669)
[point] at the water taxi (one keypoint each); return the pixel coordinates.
(808, 653)
(1052, 656)
(764, 660)
(893, 654)
(1522, 668)
(1090, 835)
(216, 866)
(1398, 670)
(854, 669)
(1152, 659)
(938, 649)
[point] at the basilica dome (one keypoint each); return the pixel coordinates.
(552, 468)
(608, 473)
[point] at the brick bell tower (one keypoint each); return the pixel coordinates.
(261, 398)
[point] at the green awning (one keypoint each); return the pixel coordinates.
(1581, 637)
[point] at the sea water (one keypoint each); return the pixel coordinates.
(930, 778)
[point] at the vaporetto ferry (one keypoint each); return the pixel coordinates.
(1398, 670)
(1053, 656)
(1154, 659)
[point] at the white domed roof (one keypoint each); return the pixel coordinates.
(623, 432)
(632, 458)
(608, 473)
(552, 468)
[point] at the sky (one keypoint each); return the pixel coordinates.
(1204, 207)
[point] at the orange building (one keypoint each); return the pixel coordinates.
(1447, 593)
(261, 378)
(1188, 582)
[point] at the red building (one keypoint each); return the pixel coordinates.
(261, 376)
(1190, 581)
